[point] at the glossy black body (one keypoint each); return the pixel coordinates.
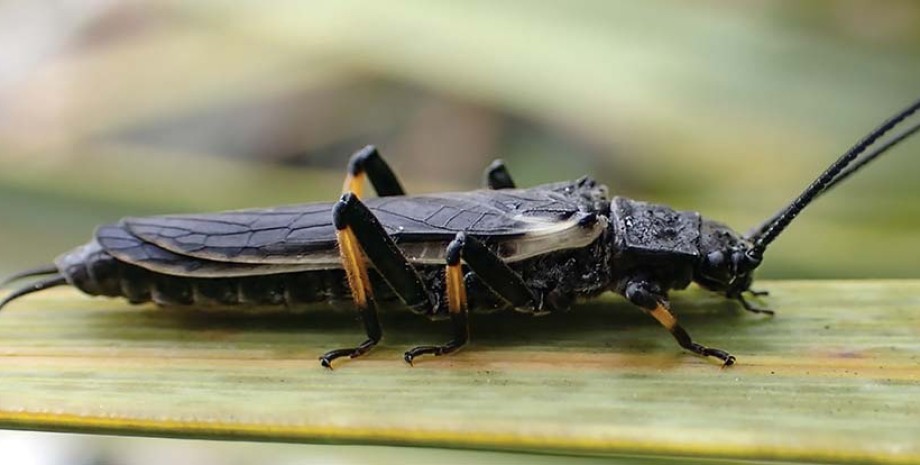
(656, 241)
(171, 260)
(252, 257)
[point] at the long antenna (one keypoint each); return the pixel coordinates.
(897, 139)
(46, 283)
(40, 271)
(826, 179)
(856, 166)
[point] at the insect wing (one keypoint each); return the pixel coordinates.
(283, 235)
(422, 225)
(127, 248)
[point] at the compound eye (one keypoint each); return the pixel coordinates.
(738, 260)
(715, 259)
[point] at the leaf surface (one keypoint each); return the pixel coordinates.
(834, 377)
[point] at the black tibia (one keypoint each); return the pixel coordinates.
(360, 234)
(653, 301)
(497, 176)
(383, 253)
(495, 273)
(368, 161)
(492, 271)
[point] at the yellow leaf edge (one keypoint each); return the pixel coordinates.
(497, 441)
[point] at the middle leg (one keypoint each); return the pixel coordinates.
(493, 272)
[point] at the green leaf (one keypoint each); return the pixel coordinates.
(835, 376)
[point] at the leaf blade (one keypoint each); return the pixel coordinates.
(830, 379)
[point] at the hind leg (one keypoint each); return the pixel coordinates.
(368, 162)
(362, 239)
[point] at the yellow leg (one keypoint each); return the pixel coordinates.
(664, 316)
(368, 164)
(455, 288)
(354, 183)
(667, 319)
(360, 286)
(355, 268)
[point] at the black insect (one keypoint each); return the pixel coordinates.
(535, 250)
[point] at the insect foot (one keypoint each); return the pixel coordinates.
(455, 289)
(753, 308)
(437, 351)
(326, 359)
(727, 358)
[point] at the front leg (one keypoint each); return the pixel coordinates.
(650, 298)
(751, 307)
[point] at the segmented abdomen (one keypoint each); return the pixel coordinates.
(560, 277)
(95, 272)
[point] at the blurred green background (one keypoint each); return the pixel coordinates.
(726, 107)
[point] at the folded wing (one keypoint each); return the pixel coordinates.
(302, 237)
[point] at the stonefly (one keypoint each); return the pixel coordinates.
(535, 250)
